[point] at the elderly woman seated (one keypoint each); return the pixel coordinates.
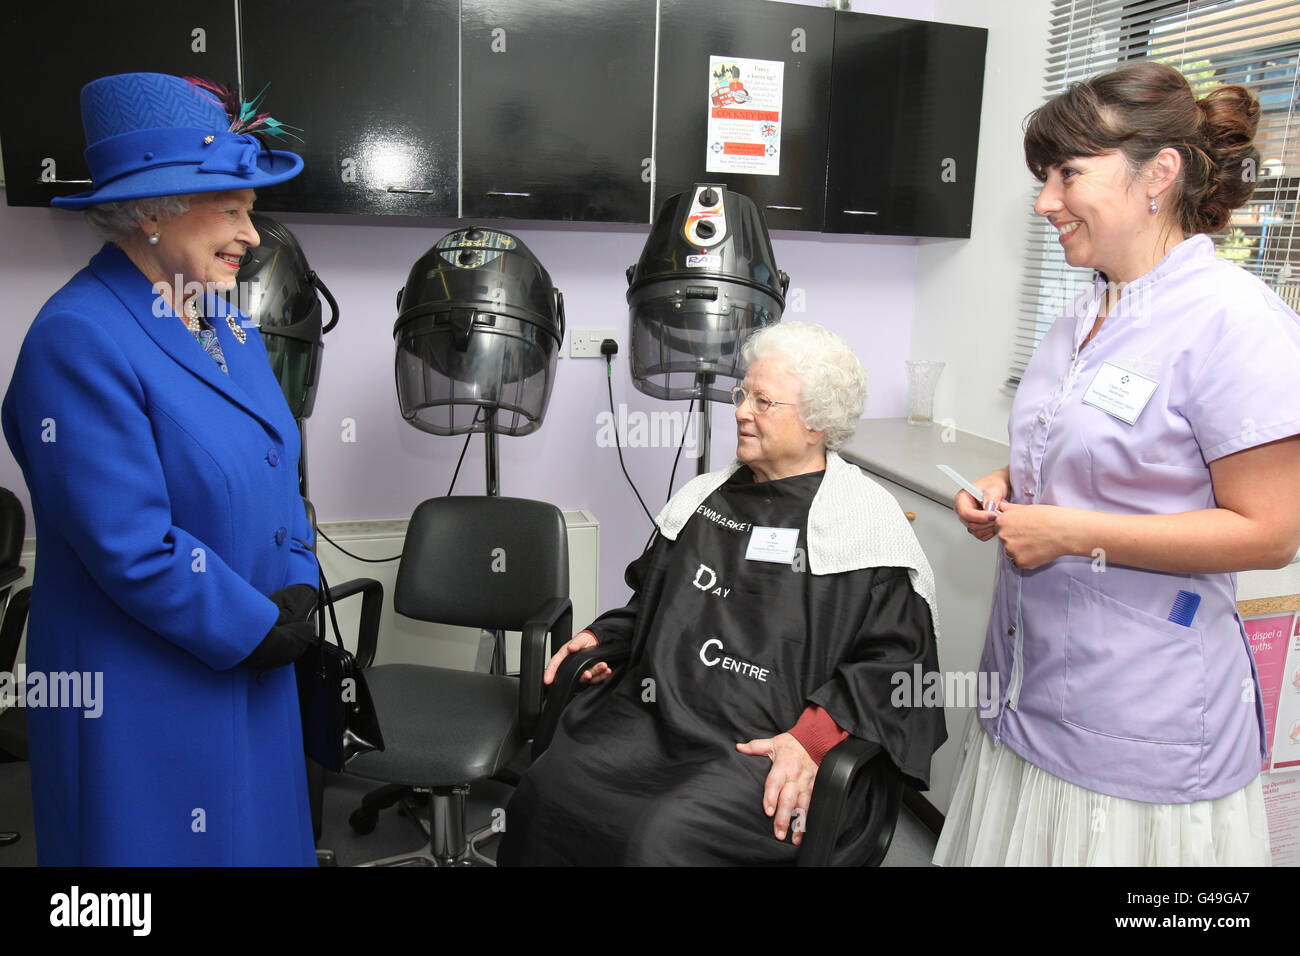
(769, 617)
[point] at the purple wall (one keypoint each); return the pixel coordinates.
(862, 288)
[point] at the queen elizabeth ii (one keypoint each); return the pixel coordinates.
(174, 557)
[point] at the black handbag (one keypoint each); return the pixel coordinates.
(338, 713)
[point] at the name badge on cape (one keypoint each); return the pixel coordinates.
(776, 545)
(1119, 392)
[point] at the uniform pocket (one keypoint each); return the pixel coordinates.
(1129, 673)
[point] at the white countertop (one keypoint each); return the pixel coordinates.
(907, 454)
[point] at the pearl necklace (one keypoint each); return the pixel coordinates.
(195, 322)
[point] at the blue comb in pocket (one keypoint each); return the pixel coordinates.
(1184, 609)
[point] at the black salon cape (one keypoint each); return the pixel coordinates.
(643, 770)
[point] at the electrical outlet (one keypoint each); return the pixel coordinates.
(585, 343)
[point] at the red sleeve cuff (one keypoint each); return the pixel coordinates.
(817, 732)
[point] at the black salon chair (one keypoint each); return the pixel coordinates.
(13, 616)
(853, 769)
(484, 562)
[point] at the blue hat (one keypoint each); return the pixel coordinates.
(151, 134)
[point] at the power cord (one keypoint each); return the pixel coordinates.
(464, 448)
(355, 557)
(673, 476)
(396, 557)
(609, 348)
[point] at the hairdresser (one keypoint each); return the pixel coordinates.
(1154, 452)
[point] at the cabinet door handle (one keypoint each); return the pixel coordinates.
(859, 212)
(790, 208)
(909, 515)
(497, 192)
(404, 189)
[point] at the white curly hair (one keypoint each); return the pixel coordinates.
(119, 221)
(832, 382)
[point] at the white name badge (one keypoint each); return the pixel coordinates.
(772, 544)
(1119, 392)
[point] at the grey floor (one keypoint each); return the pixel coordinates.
(395, 833)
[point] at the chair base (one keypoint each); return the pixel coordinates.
(425, 857)
(448, 845)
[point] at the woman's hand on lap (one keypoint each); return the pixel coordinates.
(788, 789)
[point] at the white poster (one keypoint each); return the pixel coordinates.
(1282, 808)
(744, 116)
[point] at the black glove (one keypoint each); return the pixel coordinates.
(293, 632)
(296, 603)
(283, 644)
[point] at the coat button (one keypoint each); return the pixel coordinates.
(273, 457)
(1042, 419)
(1011, 631)
(281, 534)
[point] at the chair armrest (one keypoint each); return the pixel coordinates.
(372, 604)
(567, 684)
(553, 618)
(839, 768)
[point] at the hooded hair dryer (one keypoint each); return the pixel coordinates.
(706, 279)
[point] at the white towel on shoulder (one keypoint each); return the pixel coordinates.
(853, 524)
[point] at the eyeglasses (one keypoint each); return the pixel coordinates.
(761, 402)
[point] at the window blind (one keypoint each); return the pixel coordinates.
(1252, 42)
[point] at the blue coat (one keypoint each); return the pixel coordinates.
(165, 496)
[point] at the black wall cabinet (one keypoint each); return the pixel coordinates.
(556, 103)
(49, 54)
(904, 126)
(802, 38)
(374, 88)
(535, 109)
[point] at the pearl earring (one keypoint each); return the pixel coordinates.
(1153, 207)
(153, 240)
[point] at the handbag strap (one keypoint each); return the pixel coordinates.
(326, 604)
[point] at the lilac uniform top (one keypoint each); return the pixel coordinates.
(1097, 686)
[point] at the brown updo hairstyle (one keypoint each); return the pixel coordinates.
(1140, 109)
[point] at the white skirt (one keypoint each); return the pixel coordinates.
(1007, 812)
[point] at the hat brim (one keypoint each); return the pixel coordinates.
(273, 166)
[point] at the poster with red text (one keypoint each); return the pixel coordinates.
(744, 116)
